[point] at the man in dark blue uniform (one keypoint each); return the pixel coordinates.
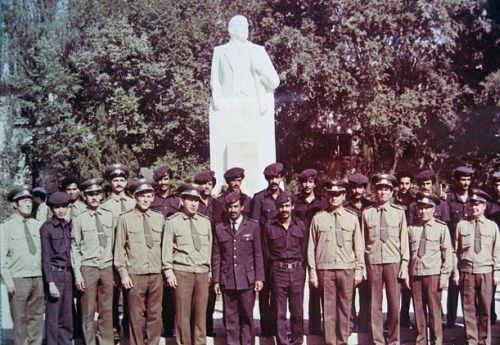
(234, 178)
(238, 269)
(263, 208)
(285, 249)
(307, 203)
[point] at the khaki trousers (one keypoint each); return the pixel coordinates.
(427, 301)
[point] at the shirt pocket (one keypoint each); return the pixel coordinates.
(157, 232)
(466, 240)
(57, 242)
(371, 229)
(297, 237)
(136, 235)
(277, 239)
(393, 227)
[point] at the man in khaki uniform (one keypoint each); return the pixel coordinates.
(21, 268)
(187, 252)
(431, 263)
(386, 254)
(76, 206)
(92, 260)
(138, 261)
(477, 245)
(336, 264)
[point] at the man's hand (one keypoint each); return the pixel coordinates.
(11, 291)
(127, 283)
(217, 289)
(456, 279)
(442, 284)
(314, 282)
(80, 284)
(53, 290)
(210, 280)
(258, 285)
(496, 281)
(172, 281)
(407, 283)
(358, 281)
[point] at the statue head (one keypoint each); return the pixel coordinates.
(238, 28)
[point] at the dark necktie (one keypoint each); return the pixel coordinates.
(384, 234)
(29, 238)
(122, 201)
(477, 237)
(100, 231)
(148, 236)
(338, 230)
(233, 227)
(195, 235)
(423, 242)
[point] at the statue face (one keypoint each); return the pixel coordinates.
(238, 28)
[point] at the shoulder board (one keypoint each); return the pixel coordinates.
(251, 220)
(203, 216)
(6, 220)
(319, 212)
(439, 221)
(128, 211)
(176, 214)
(351, 212)
(368, 208)
(150, 209)
(399, 207)
(105, 200)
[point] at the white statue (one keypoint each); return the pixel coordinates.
(243, 80)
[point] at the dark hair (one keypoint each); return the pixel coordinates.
(68, 181)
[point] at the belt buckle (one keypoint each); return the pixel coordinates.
(289, 265)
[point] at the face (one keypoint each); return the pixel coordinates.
(207, 188)
(308, 186)
(404, 184)
(190, 205)
(425, 212)
(93, 199)
(234, 210)
(383, 194)
(144, 200)
(59, 211)
(463, 182)
(285, 210)
(496, 187)
(335, 199)
(37, 200)
(477, 209)
(425, 186)
(239, 30)
(23, 207)
(273, 182)
(164, 183)
(72, 190)
(118, 184)
(357, 190)
(235, 184)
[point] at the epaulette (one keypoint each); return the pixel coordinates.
(203, 216)
(399, 207)
(368, 208)
(176, 214)
(6, 220)
(150, 209)
(251, 220)
(105, 200)
(439, 221)
(351, 212)
(128, 211)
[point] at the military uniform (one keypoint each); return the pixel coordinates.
(335, 257)
(92, 260)
(237, 265)
(75, 207)
(166, 205)
(21, 268)
(191, 267)
(220, 212)
(431, 263)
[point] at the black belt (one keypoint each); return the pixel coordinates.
(287, 265)
(60, 268)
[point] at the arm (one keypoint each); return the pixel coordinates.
(496, 256)
(263, 67)
(359, 251)
(311, 253)
(167, 254)
(76, 259)
(5, 245)
(46, 253)
(255, 206)
(121, 253)
(258, 260)
(215, 81)
(446, 258)
(404, 248)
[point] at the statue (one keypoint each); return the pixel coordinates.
(243, 81)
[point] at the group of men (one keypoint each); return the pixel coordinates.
(170, 254)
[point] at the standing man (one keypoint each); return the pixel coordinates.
(234, 178)
(307, 204)
(206, 180)
(477, 245)
(459, 205)
(167, 203)
(285, 249)
(263, 208)
(92, 260)
(21, 268)
(335, 258)
(42, 212)
(386, 237)
(493, 213)
(404, 196)
(187, 251)
(238, 269)
(118, 202)
(357, 202)
(76, 206)
(55, 234)
(138, 261)
(431, 263)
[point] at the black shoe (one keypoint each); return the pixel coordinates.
(211, 334)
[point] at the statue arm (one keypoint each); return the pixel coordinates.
(263, 67)
(215, 81)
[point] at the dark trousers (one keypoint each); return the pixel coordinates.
(58, 311)
(119, 300)
(168, 311)
(191, 296)
(26, 309)
(267, 324)
(377, 276)
(99, 285)
(212, 298)
(452, 303)
(337, 290)
(363, 319)
(288, 286)
(405, 305)
(427, 301)
(238, 316)
(143, 302)
(476, 290)
(314, 310)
